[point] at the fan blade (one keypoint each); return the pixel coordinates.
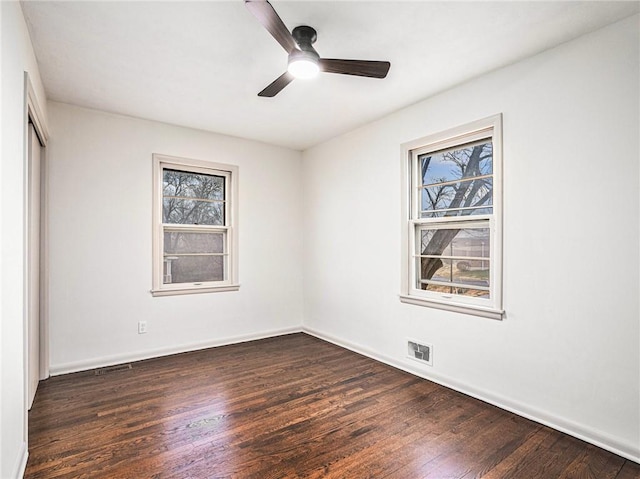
(267, 16)
(361, 68)
(275, 87)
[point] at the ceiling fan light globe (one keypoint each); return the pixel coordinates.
(303, 63)
(303, 68)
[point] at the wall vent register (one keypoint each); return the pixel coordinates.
(420, 352)
(113, 369)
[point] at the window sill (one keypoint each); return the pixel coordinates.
(208, 289)
(456, 308)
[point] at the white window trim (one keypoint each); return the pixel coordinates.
(231, 213)
(409, 294)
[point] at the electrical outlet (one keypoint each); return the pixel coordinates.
(142, 327)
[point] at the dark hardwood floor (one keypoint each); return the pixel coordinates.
(288, 407)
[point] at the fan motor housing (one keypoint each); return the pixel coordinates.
(300, 55)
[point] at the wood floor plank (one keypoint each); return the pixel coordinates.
(288, 407)
(630, 470)
(594, 463)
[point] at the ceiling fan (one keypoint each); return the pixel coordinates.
(304, 60)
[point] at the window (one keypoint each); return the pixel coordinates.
(452, 210)
(194, 226)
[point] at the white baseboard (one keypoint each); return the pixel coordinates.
(597, 438)
(93, 363)
(21, 462)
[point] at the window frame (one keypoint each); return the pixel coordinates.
(229, 228)
(490, 127)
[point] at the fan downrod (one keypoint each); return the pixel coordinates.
(304, 36)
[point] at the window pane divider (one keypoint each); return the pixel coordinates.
(181, 228)
(464, 221)
(462, 208)
(455, 182)
(486, 259)
(193, 198)
(170, 255)
(455, 285)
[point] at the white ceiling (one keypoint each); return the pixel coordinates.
(201, 64)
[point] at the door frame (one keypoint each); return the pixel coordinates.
(33, 114)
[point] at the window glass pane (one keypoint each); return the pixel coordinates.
(192, 257)
(192, 212)
(443, 213)
(193, 269)
(466, 249)
(466, 272)
(476, 194)
(462, 168)
(458, 242)
(475, 159)
(178, 242)
(184, 184)
(192, 198)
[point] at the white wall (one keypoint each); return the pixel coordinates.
(17, 57)
(100, 241)
(567, 352)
